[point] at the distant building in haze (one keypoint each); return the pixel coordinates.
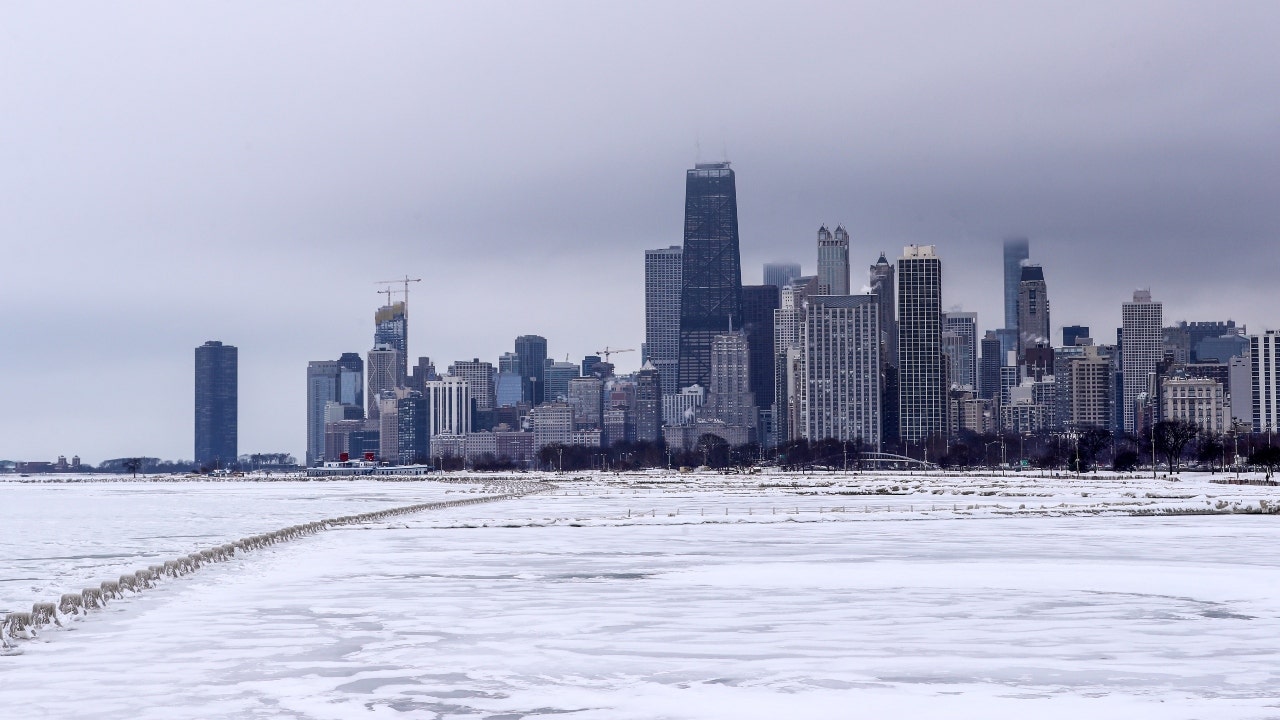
(833, 261)
(781, 274)
(216, 404)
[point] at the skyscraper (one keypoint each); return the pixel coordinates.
(322, 389)
(921, 377)
(351, 380)
(882, 287)
(216, 404)
(531, 354)
(788, 348)
(391, 327)
(1033, 309)
(833, 261)
(1264, 359)
(842, 369)
(960, 341)
(711, 270)
(758, 305)
(558, 376)
(989, 368)
(730, 400)
(384, 367)
(648, 404)
(780, 274)
(1142, 323)
(479, 377)
(662, 289)
(1016, 251)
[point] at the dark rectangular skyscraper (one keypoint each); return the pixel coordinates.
(711, 268)
(216, 400)
(531, 351)
(758, 304)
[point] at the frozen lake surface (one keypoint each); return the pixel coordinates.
(705, 597)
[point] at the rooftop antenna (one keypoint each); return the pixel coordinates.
(697, 148)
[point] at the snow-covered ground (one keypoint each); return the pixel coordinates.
(639, 597)
(61, 534)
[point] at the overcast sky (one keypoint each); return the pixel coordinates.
(172, 173)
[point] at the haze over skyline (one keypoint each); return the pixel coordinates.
(171, 174)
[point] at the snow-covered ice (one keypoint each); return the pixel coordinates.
(706, 597)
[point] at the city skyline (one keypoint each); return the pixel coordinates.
(1138, 180)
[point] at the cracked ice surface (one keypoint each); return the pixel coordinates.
(560, 604)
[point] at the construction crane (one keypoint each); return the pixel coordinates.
(406, 280)
(607, 351)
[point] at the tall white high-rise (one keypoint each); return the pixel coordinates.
(842, 369)
(833, 261)
(450, 406)
(1142, 321)
(1264, 356)
(662, 270)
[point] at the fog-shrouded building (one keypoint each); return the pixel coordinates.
(922, 406)
(662, 272)
(1142, 325)
(711, 268)
(391, 327)
(781, 274)
(216, 404)
(833, 261)
(842, 369)
(1033, 310)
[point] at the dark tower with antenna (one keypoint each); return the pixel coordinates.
(711, 272)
